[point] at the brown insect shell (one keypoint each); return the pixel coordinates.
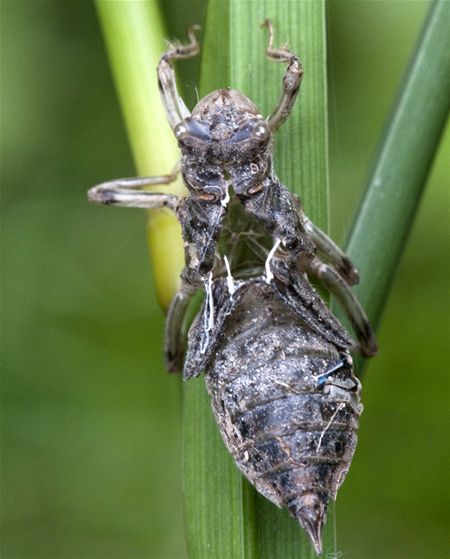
(219, 145)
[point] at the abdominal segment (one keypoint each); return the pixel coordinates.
(290, 426)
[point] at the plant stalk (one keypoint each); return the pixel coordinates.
(404, 159)
(135, 35)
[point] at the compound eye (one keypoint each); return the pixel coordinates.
(261, 132)
(181, 131)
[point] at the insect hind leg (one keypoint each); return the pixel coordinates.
(173, 332)
(330, 251)
(336, 285)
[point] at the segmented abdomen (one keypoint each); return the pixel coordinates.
(291, 431)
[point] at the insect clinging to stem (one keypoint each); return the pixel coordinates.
(277, 362)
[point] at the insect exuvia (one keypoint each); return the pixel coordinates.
(276, 360)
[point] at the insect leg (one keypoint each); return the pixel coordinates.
(291, 81)
(330, 251)
(173, 334)
(176, 110)
(129, 192)
(330, 279)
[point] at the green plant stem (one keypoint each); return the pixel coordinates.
(224, 516)
(404, 159)
(135, 38)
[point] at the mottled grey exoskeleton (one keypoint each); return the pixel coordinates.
(276, 360)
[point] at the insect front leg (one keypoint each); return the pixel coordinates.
(332, 281)
(176, 110)
(329, 250)
(291, 81)
(129, 192)
(201, 224)
(275, 209)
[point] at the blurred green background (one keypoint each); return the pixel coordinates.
(91, 422)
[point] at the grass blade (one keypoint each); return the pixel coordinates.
(225, 517)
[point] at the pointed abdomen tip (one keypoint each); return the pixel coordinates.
(310, 510)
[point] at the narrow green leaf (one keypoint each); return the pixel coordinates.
(225, 517)
(404, 159)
